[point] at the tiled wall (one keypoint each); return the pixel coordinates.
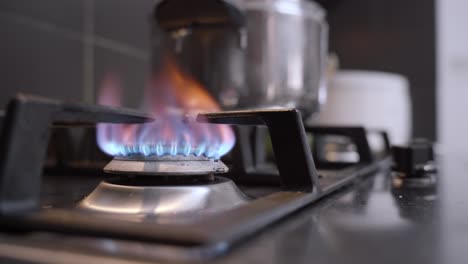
(63, 48)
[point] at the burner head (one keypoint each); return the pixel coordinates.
(166, 165)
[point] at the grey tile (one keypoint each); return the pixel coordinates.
(395, 36)
(132, 74)
(124, 21)
(64, 13)
(38, 62)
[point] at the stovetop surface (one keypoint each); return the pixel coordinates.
(366, 222)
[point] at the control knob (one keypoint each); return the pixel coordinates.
(415, 160)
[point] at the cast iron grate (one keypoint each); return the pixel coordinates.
(23, 144)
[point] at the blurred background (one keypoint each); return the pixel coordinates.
(64, 48)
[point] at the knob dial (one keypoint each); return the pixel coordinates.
(414, 160)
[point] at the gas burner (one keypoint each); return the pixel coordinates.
(166, 187)
(155, 197)
(165, 165)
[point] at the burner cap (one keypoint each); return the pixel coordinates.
(166, 165)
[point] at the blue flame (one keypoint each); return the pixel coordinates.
(169, 135)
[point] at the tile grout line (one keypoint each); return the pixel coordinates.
(88, 51)
(97, 41)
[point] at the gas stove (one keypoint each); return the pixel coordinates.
(194, 208)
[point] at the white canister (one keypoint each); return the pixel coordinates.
(375, 100)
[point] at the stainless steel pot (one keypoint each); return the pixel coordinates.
(251, 53)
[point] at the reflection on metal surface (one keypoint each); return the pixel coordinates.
(411, 194)
(362, 224)
(375, 216)
(369, 208)
(334, 148)
(136, 200)
(165, 165)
